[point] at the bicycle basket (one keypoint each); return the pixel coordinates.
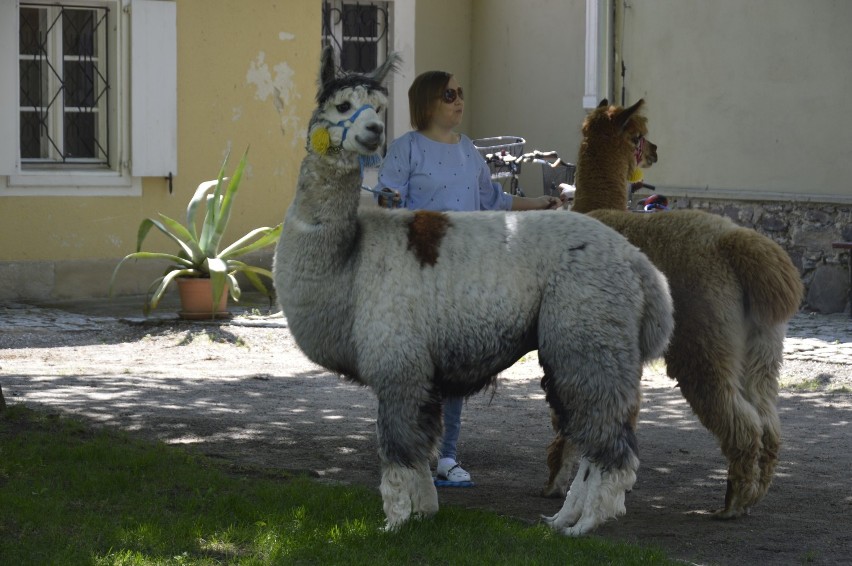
(507, 145)
(552, 177)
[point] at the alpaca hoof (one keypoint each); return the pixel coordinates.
(740, 496)
(578, 530)
(425, 512)
(594, 498)
(727, 514)
(392, 527)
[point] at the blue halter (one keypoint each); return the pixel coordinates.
(347, 123)
(364, 161)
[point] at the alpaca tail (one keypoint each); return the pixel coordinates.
(657, 321)
(772, 287)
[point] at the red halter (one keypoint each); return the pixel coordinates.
(640, 150)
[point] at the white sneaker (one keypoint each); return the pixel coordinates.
(450, 470)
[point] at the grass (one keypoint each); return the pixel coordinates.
(73, 494)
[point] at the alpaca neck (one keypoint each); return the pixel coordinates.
(323, 216)
(328, 190)
(601, 179)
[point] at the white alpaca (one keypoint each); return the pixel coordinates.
(422, 305)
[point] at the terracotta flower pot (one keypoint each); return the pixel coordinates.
(196, 300)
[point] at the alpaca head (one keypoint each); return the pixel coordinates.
(625, 127)
(349, 110)
(612, 153)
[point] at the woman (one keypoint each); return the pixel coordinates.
(435, 168)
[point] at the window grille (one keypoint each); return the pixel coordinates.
(64, 85)
(358, 31)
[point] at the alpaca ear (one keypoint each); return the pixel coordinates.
(391, 65)
(327, 70)
(604, 103)
(625, 115)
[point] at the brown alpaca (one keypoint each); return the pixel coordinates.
(734, 291)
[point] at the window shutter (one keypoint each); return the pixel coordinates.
(153, 88)
(9, 95)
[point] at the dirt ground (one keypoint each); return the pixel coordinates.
(246, 394)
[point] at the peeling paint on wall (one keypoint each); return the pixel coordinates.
(277, 83)
(284, 36)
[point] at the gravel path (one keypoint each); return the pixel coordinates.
(243, 392)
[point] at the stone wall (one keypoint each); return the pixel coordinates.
(806, 231)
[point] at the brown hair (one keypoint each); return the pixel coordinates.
(425, 89)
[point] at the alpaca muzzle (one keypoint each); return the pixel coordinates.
(372, 137)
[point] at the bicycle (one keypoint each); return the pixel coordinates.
(556, 173)
(498, 152)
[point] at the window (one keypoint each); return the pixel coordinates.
(358, 32)
(91, 106)
(64, 85)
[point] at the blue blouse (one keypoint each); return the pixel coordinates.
(431, 175)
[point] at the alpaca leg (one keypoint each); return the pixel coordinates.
(721, 407)
(408, 429)
(763, 364)
(424, 500)
(562, 457)
(597, 407)
(770, 450)
(562, 460)
(735, 422)
(396, 486)
(708, 357)
(575, 499)
(743, 452)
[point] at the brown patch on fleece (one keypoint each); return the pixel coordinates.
(425, 232)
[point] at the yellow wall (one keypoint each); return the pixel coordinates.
(246, 77)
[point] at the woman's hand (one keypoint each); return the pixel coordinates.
(546, 203)
(536, 203)
(389, 198)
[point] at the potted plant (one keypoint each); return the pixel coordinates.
(199, 261)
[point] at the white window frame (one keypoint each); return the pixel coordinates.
(143, 118)
(598, 76)
(402, 38)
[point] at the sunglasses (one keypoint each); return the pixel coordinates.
(451, 94)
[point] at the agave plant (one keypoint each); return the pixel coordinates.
(199, 254)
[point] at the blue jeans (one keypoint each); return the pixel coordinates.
(452, 426)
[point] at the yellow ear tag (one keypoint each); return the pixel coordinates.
(636, 176)
(320, 140)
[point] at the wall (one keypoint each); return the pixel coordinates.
(245, 78)
(740, 101)
(741, 95)
(527, 69)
